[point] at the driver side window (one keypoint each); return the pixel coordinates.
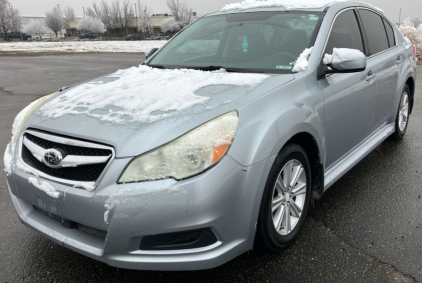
(345, 33)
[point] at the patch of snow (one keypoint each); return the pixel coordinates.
(345, 54)
(84, 186)
(44, 186)
(25, 168)
(83, 46)
(372, 6)
(137, 197)
(136, 93)
(288, 4)
(8, 160)
(301, 63)
(407, 43)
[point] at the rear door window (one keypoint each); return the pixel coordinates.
(375, 31)
(390, 34)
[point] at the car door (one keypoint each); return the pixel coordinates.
(349, 99)
(384, 56)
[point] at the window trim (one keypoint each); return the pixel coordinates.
(362, 33)
(385, 30)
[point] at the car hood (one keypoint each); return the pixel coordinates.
(141, 108)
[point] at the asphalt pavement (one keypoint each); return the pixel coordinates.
(366, 228)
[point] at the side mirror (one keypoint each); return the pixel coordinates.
(151, 52)
(345, 61)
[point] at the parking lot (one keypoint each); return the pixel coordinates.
(366, 228)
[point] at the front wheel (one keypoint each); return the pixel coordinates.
(286, 199)
(402, 118)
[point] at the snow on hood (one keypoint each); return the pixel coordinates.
(142, 94)
(288, 4)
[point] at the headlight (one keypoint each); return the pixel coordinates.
(186, 156)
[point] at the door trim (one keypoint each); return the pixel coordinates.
(341, 167)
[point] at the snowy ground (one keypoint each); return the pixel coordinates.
(80, 47)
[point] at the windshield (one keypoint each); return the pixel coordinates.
(255, 42)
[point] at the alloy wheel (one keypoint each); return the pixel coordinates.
(403, 111)
(288, 198)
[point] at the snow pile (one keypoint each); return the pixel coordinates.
(301, 63)
(137, 198)
(142, 94)
(345, 54)
(44, 186)
(8, 160)
(412, 36)
(288, 4)
(82, 46)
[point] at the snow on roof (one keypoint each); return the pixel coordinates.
(288, 4)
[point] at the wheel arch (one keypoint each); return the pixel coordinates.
(411, 84)
(308, 142)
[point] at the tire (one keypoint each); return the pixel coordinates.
(402, 117)
(273, 232)
(10, 38)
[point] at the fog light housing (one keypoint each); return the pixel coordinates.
(179, 241)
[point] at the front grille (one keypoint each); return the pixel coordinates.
(69, 149)
(80, 173)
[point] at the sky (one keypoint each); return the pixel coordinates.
(410, 8)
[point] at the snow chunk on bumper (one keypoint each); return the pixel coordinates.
(136, 93)
(44, 186)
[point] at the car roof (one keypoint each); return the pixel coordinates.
(289, 5)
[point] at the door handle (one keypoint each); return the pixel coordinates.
(371, 76)
(399, 60)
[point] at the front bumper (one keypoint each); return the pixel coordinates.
(225, 199)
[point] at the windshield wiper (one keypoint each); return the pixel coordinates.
(157, 66)
(234, 70)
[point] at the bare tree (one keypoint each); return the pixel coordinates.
(145, 18)
(181, 12)
(169, 25)
(92, 25)
(9, 18)
(417, 22)
(35, 27)
(68, 15)
(115, 15)
(54, 20)
(121, 13)
(102, 12)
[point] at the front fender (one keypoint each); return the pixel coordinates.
(268, 122)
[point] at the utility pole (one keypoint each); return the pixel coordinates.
(400, 17)
(136, 17)
(83, 8)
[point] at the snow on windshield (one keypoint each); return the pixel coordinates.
(136, 93)
(288, 4)
(301, 63)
